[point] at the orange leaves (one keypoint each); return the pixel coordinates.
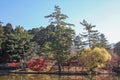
(38, 64)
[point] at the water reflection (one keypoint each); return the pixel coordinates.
(56, 77)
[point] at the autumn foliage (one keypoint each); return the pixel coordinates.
(114, 63)
(38, 64)
(94, 58)
(14, 64)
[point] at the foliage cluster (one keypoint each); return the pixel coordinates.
(93, 58)
(37, 64)
(15, 42)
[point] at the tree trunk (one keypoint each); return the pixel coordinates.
(59, 66)
(59, 63)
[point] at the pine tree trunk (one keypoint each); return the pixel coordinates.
(59, 63)
(59, 66)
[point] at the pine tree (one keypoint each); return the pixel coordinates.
(60, 38)
(90, 36)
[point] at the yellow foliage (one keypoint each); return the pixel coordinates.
(96, 50)
(107, 56)
(100, 65)
(87, 50)
(94, 58)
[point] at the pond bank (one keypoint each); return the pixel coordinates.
(28, 71)
(56, 73)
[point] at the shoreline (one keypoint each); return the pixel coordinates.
(7, 72)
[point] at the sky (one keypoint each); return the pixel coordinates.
(105, 14)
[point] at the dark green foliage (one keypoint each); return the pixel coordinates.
(15, 41)
(41, 36)
(78, 42)
(117, 48)
(8, 28)
(1, 35)
(102, 42)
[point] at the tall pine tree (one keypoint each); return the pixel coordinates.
(61, 34)
(90, 36)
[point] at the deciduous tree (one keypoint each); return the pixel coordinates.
(91, 59)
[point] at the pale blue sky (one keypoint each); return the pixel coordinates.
(105, 14)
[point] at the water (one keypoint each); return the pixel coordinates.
(56, 77)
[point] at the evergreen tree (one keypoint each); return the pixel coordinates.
(1, 36)
(78, 42)
(102, 42)
(90, 37)
(1, 33)
(117, 48)
(8, 28)
(16, 42)
(59, 36)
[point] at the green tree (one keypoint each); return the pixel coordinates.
(8, 29)
(1, 36)
(117, 48)
(34, 31)
(102, 42)
(40, 35)
(78, 42)
(1, 32)
(15, 42)
(60, 37)
(4, 30)
(90, 36)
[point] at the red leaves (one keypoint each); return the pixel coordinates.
(38, 64)
(13, 64)
(115, 60)
(114, 63)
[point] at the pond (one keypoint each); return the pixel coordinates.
(56, 77)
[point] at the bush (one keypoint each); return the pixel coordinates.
(38, 64)
(97, 57)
